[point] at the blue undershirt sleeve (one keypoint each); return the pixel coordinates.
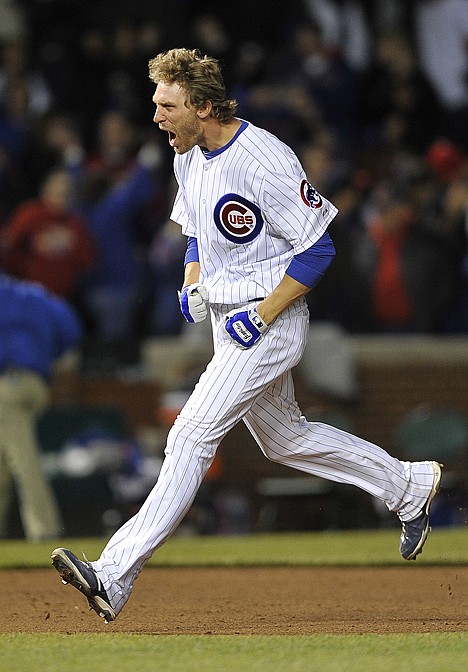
(309, 266)
(191, 253)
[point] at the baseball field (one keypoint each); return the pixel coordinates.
(325, 601)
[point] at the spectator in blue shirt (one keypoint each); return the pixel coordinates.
(36, 328)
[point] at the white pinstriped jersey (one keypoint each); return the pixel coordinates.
(251, 208)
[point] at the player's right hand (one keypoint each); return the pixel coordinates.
(193, 301)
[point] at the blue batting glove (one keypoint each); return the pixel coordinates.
(245, 327)
(193, 301)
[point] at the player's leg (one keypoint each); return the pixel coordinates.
(225, 392)
(285, 436)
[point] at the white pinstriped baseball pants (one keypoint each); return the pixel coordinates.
(254, 385)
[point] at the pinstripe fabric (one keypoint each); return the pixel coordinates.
(254, 385)
(258, 167)
(251, 209)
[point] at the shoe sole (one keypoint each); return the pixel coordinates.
(430, 499)
(69, 573)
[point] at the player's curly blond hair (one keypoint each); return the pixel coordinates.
(200, 76)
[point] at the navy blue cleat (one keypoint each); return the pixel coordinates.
(82, 576)
(414, 532)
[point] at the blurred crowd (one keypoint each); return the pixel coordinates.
(372, 96)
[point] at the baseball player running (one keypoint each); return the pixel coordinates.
(257, 242)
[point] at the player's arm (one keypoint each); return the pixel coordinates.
(191, 262)
(280, 298)
(192, 273)
(246, 327)
(193, 298)
(303, 273)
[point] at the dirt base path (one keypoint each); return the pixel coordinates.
(270, 601)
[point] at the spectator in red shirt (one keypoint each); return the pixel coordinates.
(44, 241)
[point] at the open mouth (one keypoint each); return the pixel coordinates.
(172, 138)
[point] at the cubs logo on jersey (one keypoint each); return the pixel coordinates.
(309, 195)
(239, 220)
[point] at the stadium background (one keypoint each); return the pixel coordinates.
(372, 127)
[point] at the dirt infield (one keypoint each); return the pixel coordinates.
(271, 601)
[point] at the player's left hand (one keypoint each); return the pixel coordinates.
(245, 327)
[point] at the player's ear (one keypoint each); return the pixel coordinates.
(204, 111)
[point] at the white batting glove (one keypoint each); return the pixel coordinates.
(245, 327)
(193, 301)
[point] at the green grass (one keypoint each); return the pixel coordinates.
(143, 653)
(115, 652)
(360, 548)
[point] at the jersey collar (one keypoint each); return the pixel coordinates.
(217, 152)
